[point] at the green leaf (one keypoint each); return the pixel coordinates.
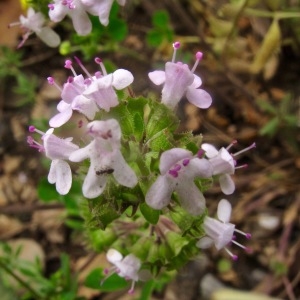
(150, 214)
(160, 19)
(112, 283)
(154, 38)
(147, 290)
(270, 128)
(139, 127)
(47, 191)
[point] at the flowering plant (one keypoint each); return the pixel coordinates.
(143, 181)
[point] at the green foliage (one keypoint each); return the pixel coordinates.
(101, 39)
(162, 31)
(11, 74)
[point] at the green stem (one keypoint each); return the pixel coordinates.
(20, 280)
(251, 12)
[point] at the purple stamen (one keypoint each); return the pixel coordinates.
(52, 82)
(98, 74)
(176, 46)
(51, 6)
(198, 56)
(31, 128)
(185, 162)
(70, 79)
(200, 153)
(244, 150)
(173, 173)
(82, 67)
(100, 63)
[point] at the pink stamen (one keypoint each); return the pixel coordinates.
(244, 150)
(198, 56)
(98, 74)
(31, 128)
(13, 24)
(70, 79)
(242, 166)
(100, 63)
(51, 6)
(106, 271)
(83, 67)
(173, 173)
(68, 65)
(185, 162)
(200, 153)
(51, 81)
(87, 81)
(176, 46)
(233, 256)
(231, 144)
(131, 290)
(238, 244)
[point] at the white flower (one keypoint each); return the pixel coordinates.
(178, 81)
(76, 10)
(101, 89)
(178, 170)
(105, 157)
(33, 23)
(127, 267)
(58, 150)
(101, 8)
(224, 164)
(220, 232)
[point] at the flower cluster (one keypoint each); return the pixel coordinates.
(181, 170)
(78, 11)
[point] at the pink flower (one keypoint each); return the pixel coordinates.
(180, 81)
(105, 157)
(220, 232)
(33, 23)
(58, 150)
(178, 169)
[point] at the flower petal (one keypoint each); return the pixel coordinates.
(199, 97)
(190, 197)
(60, 173)
(81, 21)
(159, 194)
(113, 256)
(224, 211)
(85, 106)
(157, 77)
(121, 79)
(170, 157)
(49, 37)
(61, 118)
(227, 184)
(210, 150)
(196, 83)
(199, 168)
(93, 184)
(123, 174)
(81, 154)
(205, 242)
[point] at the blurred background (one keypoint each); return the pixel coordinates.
(251, 67)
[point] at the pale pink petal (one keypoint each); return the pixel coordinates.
(85, 106)
(224, 211)
(190, 197)
(58, 13)
(49, 37)
(62, 105)
(205, 242)
(60, 173)
(121, 79)
(199, 97)
(61, 118)
(93, 185)
(157, 77)
(210, 150)
(227, 184)
(170, 157)
(159, 194)
(113, 256)
(123, 174)
(199, 168)
(81, 154)
(196, 83)
(81, 21)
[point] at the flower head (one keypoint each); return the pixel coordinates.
(220, 232)
(58, 150)
(180, 81)
(224, 164)
(178, 169)
(127, 267)
(76, 10)
(33, 23)
(105, 157)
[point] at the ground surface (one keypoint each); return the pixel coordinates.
(267, 198)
